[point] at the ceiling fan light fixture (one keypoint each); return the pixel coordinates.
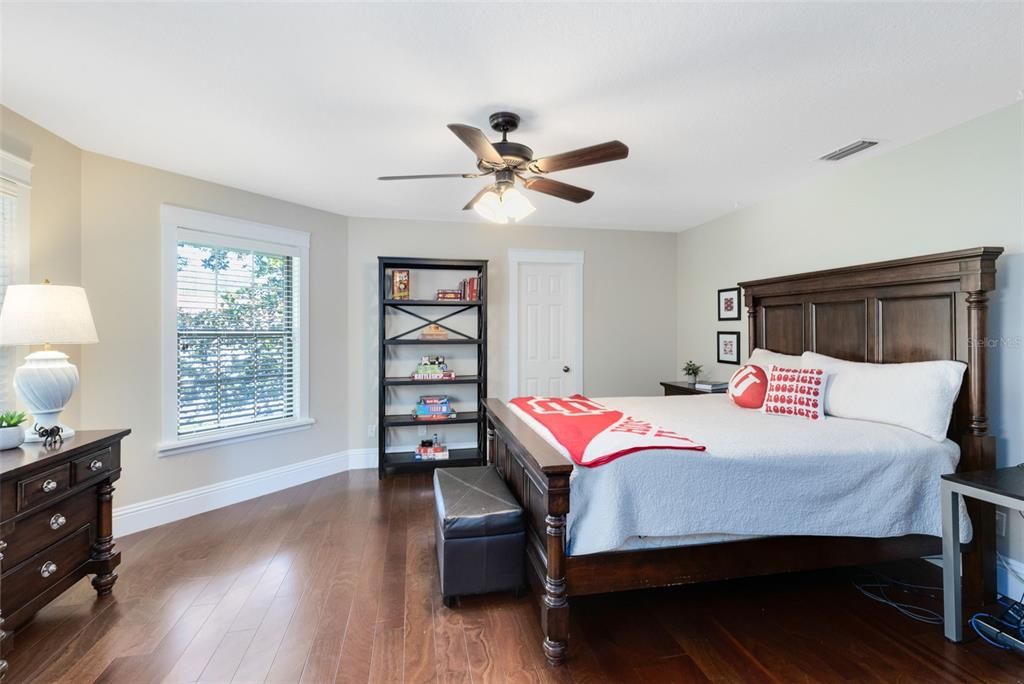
(515, 205)
(500, 207)
(489, 206)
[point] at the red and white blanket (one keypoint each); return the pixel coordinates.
(593, 434)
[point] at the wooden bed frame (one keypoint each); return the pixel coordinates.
(917, 309)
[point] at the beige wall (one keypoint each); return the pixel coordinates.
(121, 375)
(55, 240)
(961, 188)
(629, 301)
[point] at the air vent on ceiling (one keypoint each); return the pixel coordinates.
(852, 148)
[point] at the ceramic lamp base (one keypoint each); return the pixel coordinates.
(45, 385)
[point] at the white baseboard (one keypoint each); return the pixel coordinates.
(166, 509)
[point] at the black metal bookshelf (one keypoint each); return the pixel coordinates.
(389, 423)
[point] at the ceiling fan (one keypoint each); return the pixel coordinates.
(509, 162)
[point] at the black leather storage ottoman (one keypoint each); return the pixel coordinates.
(479, 532)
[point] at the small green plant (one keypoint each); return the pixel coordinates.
(12, 418)
(693, 370)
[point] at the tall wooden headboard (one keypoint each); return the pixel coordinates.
(917, 309)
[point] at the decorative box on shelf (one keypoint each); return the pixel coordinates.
(434, 407)
(434, 332)
(430, 451)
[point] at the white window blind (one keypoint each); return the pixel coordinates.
(236, 337)
(7, 241)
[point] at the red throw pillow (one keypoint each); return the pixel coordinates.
(748, 386)
(796, 392)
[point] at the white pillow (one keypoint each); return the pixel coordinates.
(918, 396)
(765, 358)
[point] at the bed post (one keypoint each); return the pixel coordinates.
(978, 446)
(554, 611)
(748, 300)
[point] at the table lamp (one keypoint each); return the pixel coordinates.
(46, 314)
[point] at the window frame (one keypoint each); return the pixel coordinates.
(177, 224)
(17, 172)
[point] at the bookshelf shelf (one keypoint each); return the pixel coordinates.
(395, 426)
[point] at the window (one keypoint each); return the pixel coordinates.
(234, 329)
(15, 200)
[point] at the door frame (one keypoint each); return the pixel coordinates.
(516, 257)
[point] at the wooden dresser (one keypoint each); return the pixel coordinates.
(55, 523)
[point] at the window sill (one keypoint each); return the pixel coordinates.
(232, 436)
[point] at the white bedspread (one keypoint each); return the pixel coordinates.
(760, 476)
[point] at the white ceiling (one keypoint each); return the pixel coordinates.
(722, 105)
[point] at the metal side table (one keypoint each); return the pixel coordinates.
(1002, 487)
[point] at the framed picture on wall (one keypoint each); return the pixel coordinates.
(729, 347)
(729, 304)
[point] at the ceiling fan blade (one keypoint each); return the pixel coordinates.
(477, 196)
(433, 175)
(558, 189)
(595, 154)
(475, 140)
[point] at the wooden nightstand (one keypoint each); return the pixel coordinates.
(675, 387)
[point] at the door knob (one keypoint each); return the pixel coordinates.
(565, 369)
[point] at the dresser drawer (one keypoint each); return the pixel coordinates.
(45, 569)
(92, 465)
(44, 487)
(39, 530)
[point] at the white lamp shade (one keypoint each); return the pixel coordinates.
(46, 314)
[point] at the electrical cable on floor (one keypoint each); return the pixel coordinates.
(876, 590)
(1014, 609)
(1002, 630)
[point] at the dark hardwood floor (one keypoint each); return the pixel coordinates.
(336, 581)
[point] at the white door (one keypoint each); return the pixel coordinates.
(549, 329)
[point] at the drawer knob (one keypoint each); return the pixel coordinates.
(57, 521)
(49, 567)
(95, 465)
(49, 486)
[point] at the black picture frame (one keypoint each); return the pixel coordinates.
(724, 336)
(721, 304)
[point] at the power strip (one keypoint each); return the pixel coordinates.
(990, 629)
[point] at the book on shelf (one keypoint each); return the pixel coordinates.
(400, 283)
(443, 375)
(453, 295)
(710, 385)
(432, 368)
(470, 288)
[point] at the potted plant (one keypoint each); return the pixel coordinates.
(11, 432)
(692, 370)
